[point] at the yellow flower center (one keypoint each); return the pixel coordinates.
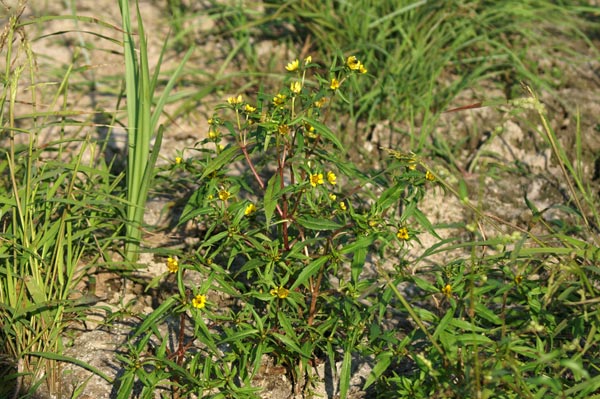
(331, 178)
(224, 195)
(233, 100)
(316, 178)
(250, 209)
(402, 234)
(296, 87)
(199, 301)
(279, 100)
(172, 265)
(447, 291)
(280, 292)
(292, 66)
(283, 129)
(335, 84)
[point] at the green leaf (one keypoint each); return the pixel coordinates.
(287, 341)
(466, 325)
(213, 239)
(322, 130)
(313, 223)
(225, 157)
(463, 191)
(345, 373)
(448, 340)
(425, 285)
(270, 199)
(423, 221)
(358, 263)
(487, 314)
(240, 335)
(67, 359)
(286, 325)
(473, 339)
(443, 322)
(382, 363)
(361, 242)
(309, 271)
(579, 372)
(390, 196)
(153, 317)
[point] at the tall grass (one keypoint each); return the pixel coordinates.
(421, 53)
(52, 210)
(143, 117)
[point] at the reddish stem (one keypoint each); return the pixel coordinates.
(256, 175)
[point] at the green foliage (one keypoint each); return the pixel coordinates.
(303, 257)
(287, 225)
(52, 216)
(142, 124)
(421, 54)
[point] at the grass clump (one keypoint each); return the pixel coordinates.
(53, 216)
(421, 54)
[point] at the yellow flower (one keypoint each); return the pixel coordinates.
(412, 164)
(310, 130)
(402, 233)
(316, 178)
(292, 66)
(296, 87)
(353, 63)
(447, 291)
(249, 108)
(279, 100)
(172, 265)
(343, 206)
(250, 209)
(332, 196)
(224, 194)
(335, 84)
(178, 160)
(429, 176)
(199, 301)
(518, 279)
(213, 134)
(331, 178)
(321, 102)
(233, 100)
(280, 292)
(283, 129)
(307, 60)
(211, 121)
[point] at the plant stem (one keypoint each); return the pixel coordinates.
(256, 175)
